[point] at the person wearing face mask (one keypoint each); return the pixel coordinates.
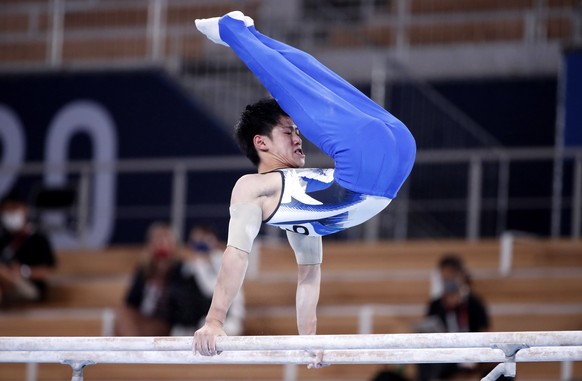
(26, 255)
(198, 276)
(456, 309)
(146, 309)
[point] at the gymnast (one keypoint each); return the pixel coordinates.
(372, 150)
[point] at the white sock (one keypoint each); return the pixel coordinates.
(238, 15)
(209, 27)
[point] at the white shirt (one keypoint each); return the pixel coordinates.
(206, 274)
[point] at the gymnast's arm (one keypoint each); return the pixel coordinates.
(229, 282)
(245, 222)
(308, 284)
(309, 254)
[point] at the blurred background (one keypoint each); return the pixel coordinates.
(481, 84)
(118, 113)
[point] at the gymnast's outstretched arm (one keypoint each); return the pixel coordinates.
(245, 223)
(228, 284)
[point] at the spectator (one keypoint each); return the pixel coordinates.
(449, 266)
(458, 309)
(199, 274)
(146, 309)
(27, 259)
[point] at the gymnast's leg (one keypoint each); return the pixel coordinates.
(312, 67)
(362, 145)
(309, 65)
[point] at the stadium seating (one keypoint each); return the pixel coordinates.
(391, 279)
(119, 33)
(354, 275)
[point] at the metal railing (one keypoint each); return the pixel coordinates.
(471, 204)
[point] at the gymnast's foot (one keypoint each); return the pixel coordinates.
(209, 27)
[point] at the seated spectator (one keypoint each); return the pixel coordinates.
(26, 256)
(457, 309)
(199, 274)
(146, 309)
(449, 266)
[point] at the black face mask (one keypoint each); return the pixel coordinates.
(200, 246)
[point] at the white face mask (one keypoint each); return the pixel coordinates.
(13, 221)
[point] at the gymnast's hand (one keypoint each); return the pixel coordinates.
(205, 338)
(317, 360)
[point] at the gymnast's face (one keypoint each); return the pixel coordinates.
(285, 145)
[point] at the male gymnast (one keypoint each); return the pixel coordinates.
(373, 153)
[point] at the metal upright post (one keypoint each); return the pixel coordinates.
(474, 199)
(83, 206)
(503, 194)
(179, 204)
(77, 367)
(56, 35)
(577, 198)
(156, 29)
(556, 220)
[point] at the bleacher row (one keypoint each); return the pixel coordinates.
(543, 292)
(102, 31)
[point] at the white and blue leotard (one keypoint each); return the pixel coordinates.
(373, 151)
(313, 203)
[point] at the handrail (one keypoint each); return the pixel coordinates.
(236, 162)
(178, 166)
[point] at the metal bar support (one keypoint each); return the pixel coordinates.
(77, 367)
(508, 367)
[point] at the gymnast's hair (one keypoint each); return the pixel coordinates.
(257, 119)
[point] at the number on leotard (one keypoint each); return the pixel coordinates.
(300, 229)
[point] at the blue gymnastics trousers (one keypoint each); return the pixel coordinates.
(373, 151)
